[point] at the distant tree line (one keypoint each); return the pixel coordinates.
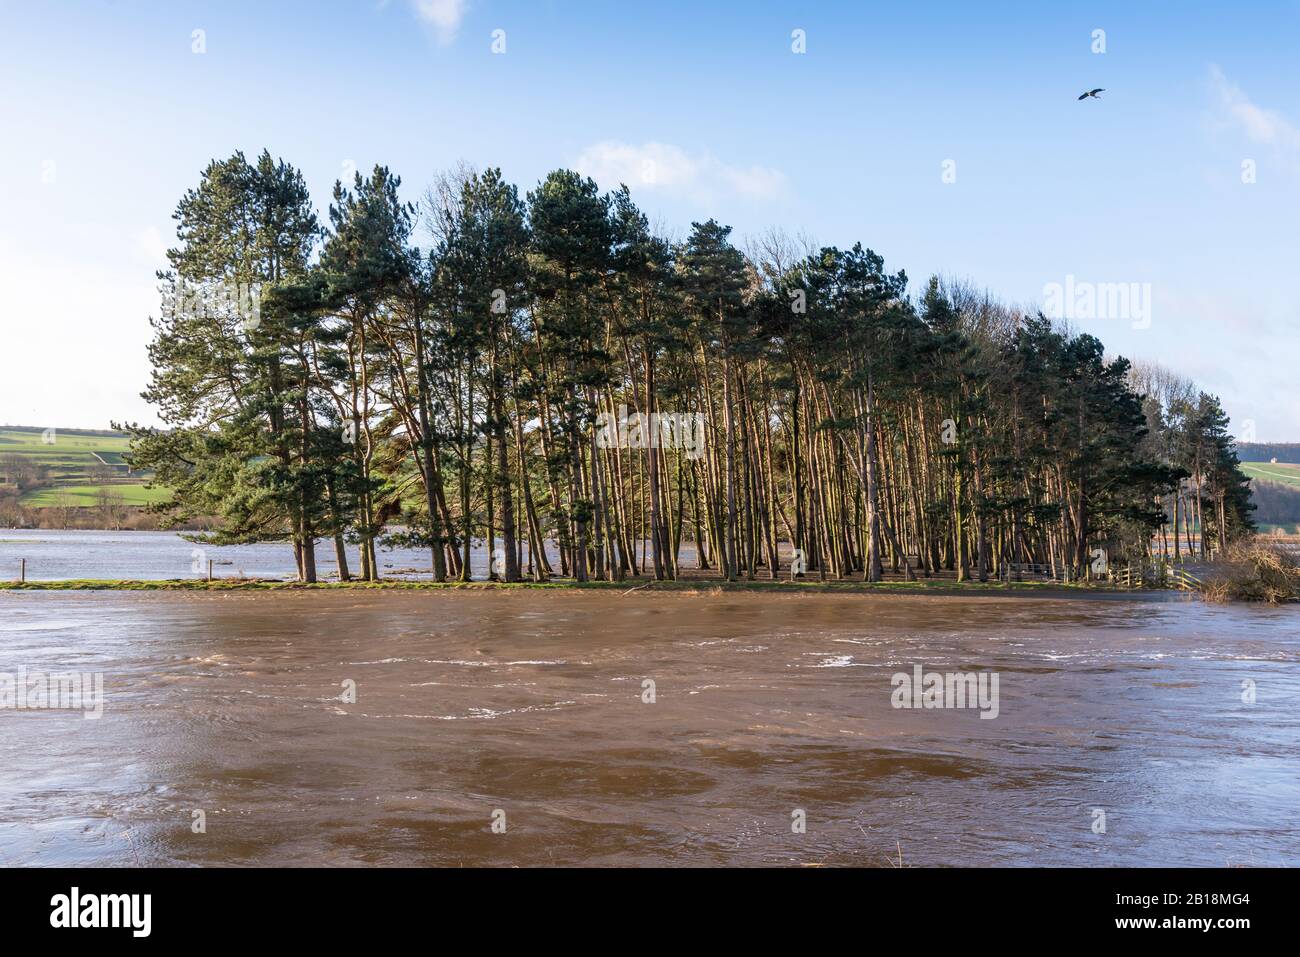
(357, 389)
(1268, 451)
(1276, 503)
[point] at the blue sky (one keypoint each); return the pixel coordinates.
(705, 111)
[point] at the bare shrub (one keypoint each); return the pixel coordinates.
(1254, 571)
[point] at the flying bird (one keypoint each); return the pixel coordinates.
(1092, 93)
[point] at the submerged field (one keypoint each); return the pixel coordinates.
(53, 558)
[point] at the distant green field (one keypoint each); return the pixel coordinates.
(61, 441)
(1280, 472)
(76, 463)
(87, 495)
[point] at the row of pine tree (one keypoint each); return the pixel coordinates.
(358, 391)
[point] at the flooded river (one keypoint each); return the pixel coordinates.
(346, 728)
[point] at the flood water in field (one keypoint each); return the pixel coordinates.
(531, 708)
(59, 554)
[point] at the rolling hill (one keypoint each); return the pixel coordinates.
(1282, 472)
(45, 468)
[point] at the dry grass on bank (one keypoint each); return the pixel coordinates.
(1254, 571)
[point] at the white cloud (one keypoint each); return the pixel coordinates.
(444, 16)
(1259, 124)
(662, 166)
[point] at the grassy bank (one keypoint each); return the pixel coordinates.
(697, 586)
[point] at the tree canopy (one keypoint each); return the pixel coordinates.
(339, 384)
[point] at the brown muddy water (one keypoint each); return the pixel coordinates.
(532, 704)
